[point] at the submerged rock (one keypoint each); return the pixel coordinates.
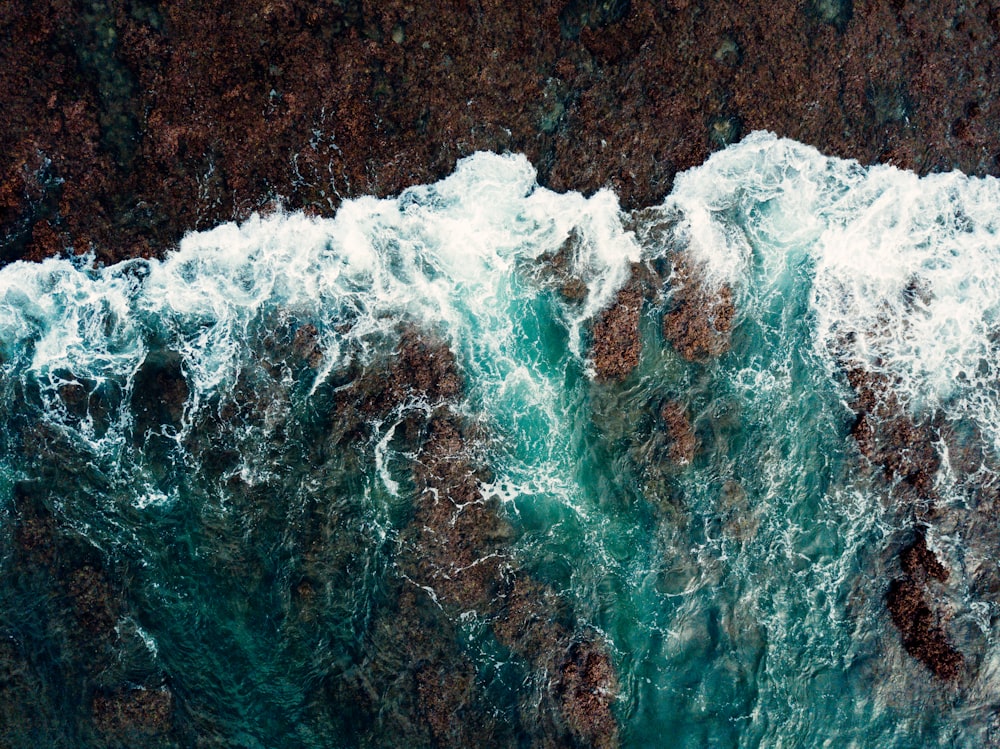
(306, 345)
(724, 130)
(135, 717)
(616, 344)
(920, 563)
(160, 392)
(459, 536)
(416, 685)
(454, 563)
(887, 435)
(588, 687)
(577, 15)
(740, 521)
(139, 143)
(699, 320)
(27, 716)
(78, 653)
(683, 442)
(921, 629)
(837, 13)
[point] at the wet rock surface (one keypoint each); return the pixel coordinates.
(616, 343)
(699, 320)
(587, 686)
(135, 717)
(683, 442)
(402, 665)
(890, 438)
(126, 124)
(454, 562)
(698, 315)
(920, 627)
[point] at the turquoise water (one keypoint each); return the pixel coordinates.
(160, 412)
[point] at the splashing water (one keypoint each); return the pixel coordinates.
(742, 594)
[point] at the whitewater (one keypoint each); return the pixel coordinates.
(741, 595)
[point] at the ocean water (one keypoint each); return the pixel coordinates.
(152, 408)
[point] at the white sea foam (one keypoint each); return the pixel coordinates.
(443, 256)
(905, 270)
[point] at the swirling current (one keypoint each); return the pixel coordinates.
(356, 482)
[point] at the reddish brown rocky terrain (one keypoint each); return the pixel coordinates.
(456, 559)
(915, 617)
(128, 122)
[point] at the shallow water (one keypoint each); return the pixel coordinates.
(742, 595)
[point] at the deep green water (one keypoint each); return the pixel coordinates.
(742, 596)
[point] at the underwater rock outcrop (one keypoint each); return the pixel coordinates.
(616, 343)
(888, 436)
(910, 607)
(75, 669)
(683, 442)
(454, 561)
(699, 320)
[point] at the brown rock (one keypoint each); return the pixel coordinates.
(909, 601)
(460, 535)
(923, 636)
(588, 687)
(556, 268)
(454, 558)
(616, 345)
(421, 368)
(888, 437)
(574, 290)
(441, 693)
(531, 621)
(615, 340)
(130, 125)
(135, 717)
(699, 320)
(93, 600)
(306, 345)
(683, 442)
(919, 562)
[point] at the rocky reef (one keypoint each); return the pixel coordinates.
(700, 318)
(918, 623)
(887, 435)
(455, 560)
(127, 124)
(75, 670)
